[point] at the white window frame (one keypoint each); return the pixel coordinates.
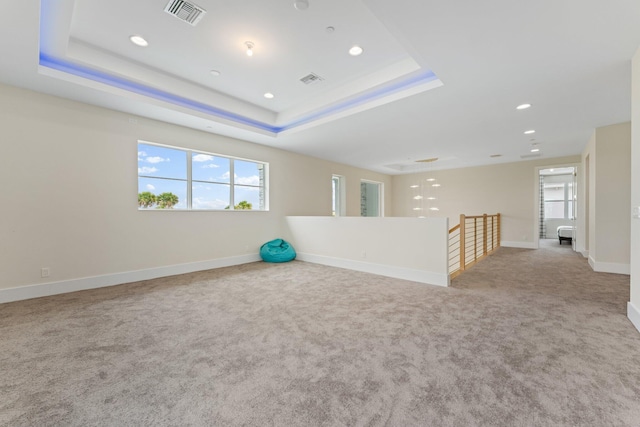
(189, 154)
(339, 200)
(568, 213)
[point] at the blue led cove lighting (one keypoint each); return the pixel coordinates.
(52, 62)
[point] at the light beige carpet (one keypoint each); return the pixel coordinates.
(525, 338)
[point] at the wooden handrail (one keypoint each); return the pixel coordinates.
(467, 235)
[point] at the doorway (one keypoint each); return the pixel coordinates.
(557, 205)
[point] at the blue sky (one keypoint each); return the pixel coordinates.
(165, 170)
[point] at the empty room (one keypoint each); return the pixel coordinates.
(456, 186)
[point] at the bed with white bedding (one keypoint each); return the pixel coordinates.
(565, 232)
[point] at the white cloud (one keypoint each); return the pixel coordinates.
(156, 159)
(141, 154)
(248, 180)
(202, 158)
(210, 165)
(145, 170)
(150, 187)
(225, 175)
(201, 203)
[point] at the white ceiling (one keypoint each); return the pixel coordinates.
(436, 79)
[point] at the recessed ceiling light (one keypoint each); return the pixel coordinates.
(529, 132)
(139, 41)
(431, 179)
(414, 186)
(523, 106)
(435, 185)
(535, 150)
(268, 95)
(215, 73)
(249, 46)
(356, 51)
(431, 198)
(434, 209)
(330, 29)
(301, 4)
(417, 198)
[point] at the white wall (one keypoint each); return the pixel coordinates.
(609, 153)
(507, 188)
(633, 308)
(70, 188)
(407, 248)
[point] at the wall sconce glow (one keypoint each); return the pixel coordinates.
(268, 95)
(523, 106)
(250, 47)
(417, 198)
(356, 51)
(529, 132)
(139, 41)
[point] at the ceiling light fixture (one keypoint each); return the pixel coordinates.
(529, 132)
(249, 46)
(535, 150)
(139, 41)
(215, 73)
(301, 5)
(356, 51)
(523, 106)
(268, 95)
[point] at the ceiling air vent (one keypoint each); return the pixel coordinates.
(185, 11)
(311, 78)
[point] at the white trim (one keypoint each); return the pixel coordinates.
(634, 315)
(73, 285)
(610, 267)
(522, 245)
(585, 253)
(427, 277)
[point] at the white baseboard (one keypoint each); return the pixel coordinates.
(610, 267)
(73, 285)
(420, 276)
(634, 315)
(585, 254)
(521, 245)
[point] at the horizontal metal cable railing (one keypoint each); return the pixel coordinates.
(471, 240)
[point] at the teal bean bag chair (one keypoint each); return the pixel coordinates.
(277, 250)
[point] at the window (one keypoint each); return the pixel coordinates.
(174, 178)
(370, 198)
(338, 196)
(558, 200)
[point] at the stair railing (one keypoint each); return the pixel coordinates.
(476, 237)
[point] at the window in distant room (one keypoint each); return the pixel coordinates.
(370, 198)
(558, 200)
(338, 206)
(175, 178)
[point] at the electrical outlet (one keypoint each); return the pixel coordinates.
(44, 272)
